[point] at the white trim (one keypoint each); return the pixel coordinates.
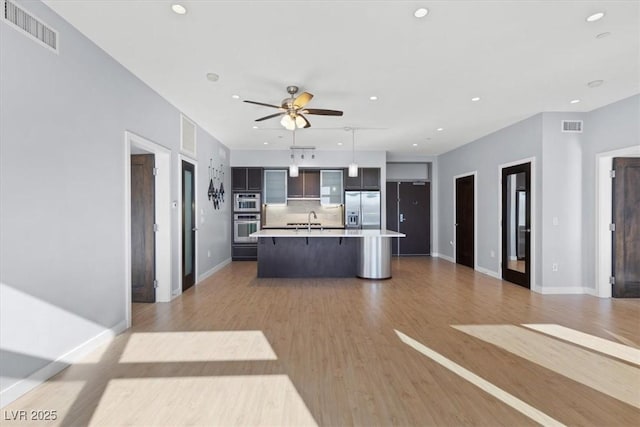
(162, 215)
(559, 290)
(214, 270)
(25, 385)
(444, 257)
(475, 215)
(603, 210)
(488, 272)
(534, 286)
(195, 192)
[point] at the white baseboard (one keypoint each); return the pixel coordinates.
(488, 272)
(443, 256)
(213, 270)
(18, 389)
(569, 290)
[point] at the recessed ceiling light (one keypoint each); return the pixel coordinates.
(475, 99)
(265, 143)
(595, 83)
(595, 17)
(235, 96)
(415, 145)
(574, 101)
(373, 98)
(339, 143)
(603, 35)
(255, 127)
(421, 13)
(179, 9)
(212, 77)
(440, 129)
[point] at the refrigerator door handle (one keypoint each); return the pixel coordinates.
(401, 217)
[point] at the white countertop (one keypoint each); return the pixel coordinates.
(303, 232)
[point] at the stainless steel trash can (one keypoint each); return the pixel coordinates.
(374, 258)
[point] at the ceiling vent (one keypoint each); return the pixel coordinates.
(29, 25)
(574, 126)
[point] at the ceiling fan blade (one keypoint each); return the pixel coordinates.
(270, 116)
(306, 122)
(262, 103)
(322, 112)
(302, 99)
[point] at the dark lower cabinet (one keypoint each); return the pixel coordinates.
(244, 252)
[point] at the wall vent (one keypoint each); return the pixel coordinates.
(574, 126)
(29, 25)
(187, 136)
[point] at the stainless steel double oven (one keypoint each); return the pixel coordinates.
(246, 217)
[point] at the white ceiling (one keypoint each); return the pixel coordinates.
(520, 57)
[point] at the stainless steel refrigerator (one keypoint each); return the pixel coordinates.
(362, 209)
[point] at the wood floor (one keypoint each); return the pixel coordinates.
(237, 350)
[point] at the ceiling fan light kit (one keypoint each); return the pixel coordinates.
(292, 110)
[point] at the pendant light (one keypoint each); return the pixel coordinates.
(293, 168)
(353, 167)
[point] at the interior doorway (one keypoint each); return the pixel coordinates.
(516, 224)
(465, 219)
(135, 144)
(409, 212)
(189, 226)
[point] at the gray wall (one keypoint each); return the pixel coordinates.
(485, 155)
(608, 128)
(565, 183)
(62, 174)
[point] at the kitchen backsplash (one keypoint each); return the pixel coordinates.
(297, 211)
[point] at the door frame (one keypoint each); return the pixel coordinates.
(475, 216)
(162, 214)
(194, 162)
(603, 210)
(532, 278)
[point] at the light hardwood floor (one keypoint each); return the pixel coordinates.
(325, 352)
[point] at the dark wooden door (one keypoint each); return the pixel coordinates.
(188, 226)
(464, 224)
(516, 224)
(414, 217)
(392, 214)
(143, 241)
(626, 237)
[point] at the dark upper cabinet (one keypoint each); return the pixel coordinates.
(312, 183)
(367, 179)
(305, 185)
(254, 179)
(295, 185)
(246, 179)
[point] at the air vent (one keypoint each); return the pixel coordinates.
(188, 136)
(574, 126)
(27, 24)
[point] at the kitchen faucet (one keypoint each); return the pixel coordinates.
(309, 219)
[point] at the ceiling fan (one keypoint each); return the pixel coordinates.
(292, 110)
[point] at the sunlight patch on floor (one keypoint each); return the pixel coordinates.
(493, 390)
(611, 377)
(53, 400)
(197, 346)
(620, 351)
(267, 400)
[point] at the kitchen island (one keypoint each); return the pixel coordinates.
(318, 252)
